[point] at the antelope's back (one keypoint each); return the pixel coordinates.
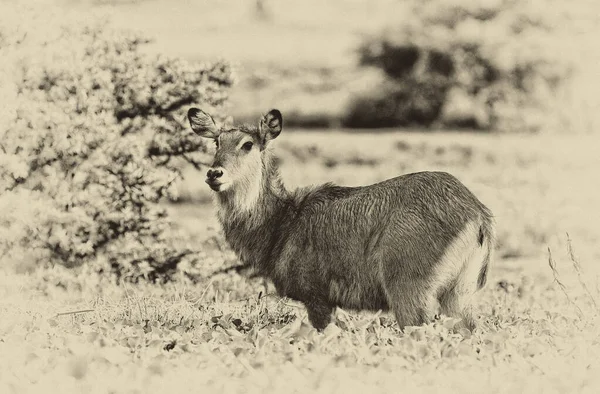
(432, 196)
(350, 223)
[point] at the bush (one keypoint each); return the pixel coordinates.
(92, 143)
(487, 65)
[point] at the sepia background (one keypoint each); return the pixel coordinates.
(114, 274)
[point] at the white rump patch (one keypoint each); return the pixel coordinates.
(461, 261)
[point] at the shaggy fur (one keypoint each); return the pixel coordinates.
(404, 244)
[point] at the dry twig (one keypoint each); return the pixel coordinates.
(552, 265)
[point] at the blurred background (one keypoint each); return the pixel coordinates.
(502, 93)
(492, 64)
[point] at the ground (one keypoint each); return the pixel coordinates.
(228, 333)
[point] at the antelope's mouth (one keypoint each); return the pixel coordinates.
(215, 184)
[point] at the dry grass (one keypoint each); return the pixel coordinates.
(189, 339)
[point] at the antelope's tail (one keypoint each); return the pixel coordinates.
(487, 240)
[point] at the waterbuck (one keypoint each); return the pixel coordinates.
(412, 244)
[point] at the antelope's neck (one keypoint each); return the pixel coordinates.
(253, 224)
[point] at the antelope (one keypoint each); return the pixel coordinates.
(416, 244)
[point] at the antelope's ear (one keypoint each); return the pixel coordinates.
(202, 123)
(270, 125)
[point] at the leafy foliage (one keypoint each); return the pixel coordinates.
(486, 65)
(92, 143)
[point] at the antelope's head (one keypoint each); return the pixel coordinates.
(238, 162)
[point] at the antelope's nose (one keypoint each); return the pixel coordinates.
(214, 174)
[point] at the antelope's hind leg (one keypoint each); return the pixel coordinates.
(405, 270)
(411, 303)
(456, 302)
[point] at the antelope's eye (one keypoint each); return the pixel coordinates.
(247, 146)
